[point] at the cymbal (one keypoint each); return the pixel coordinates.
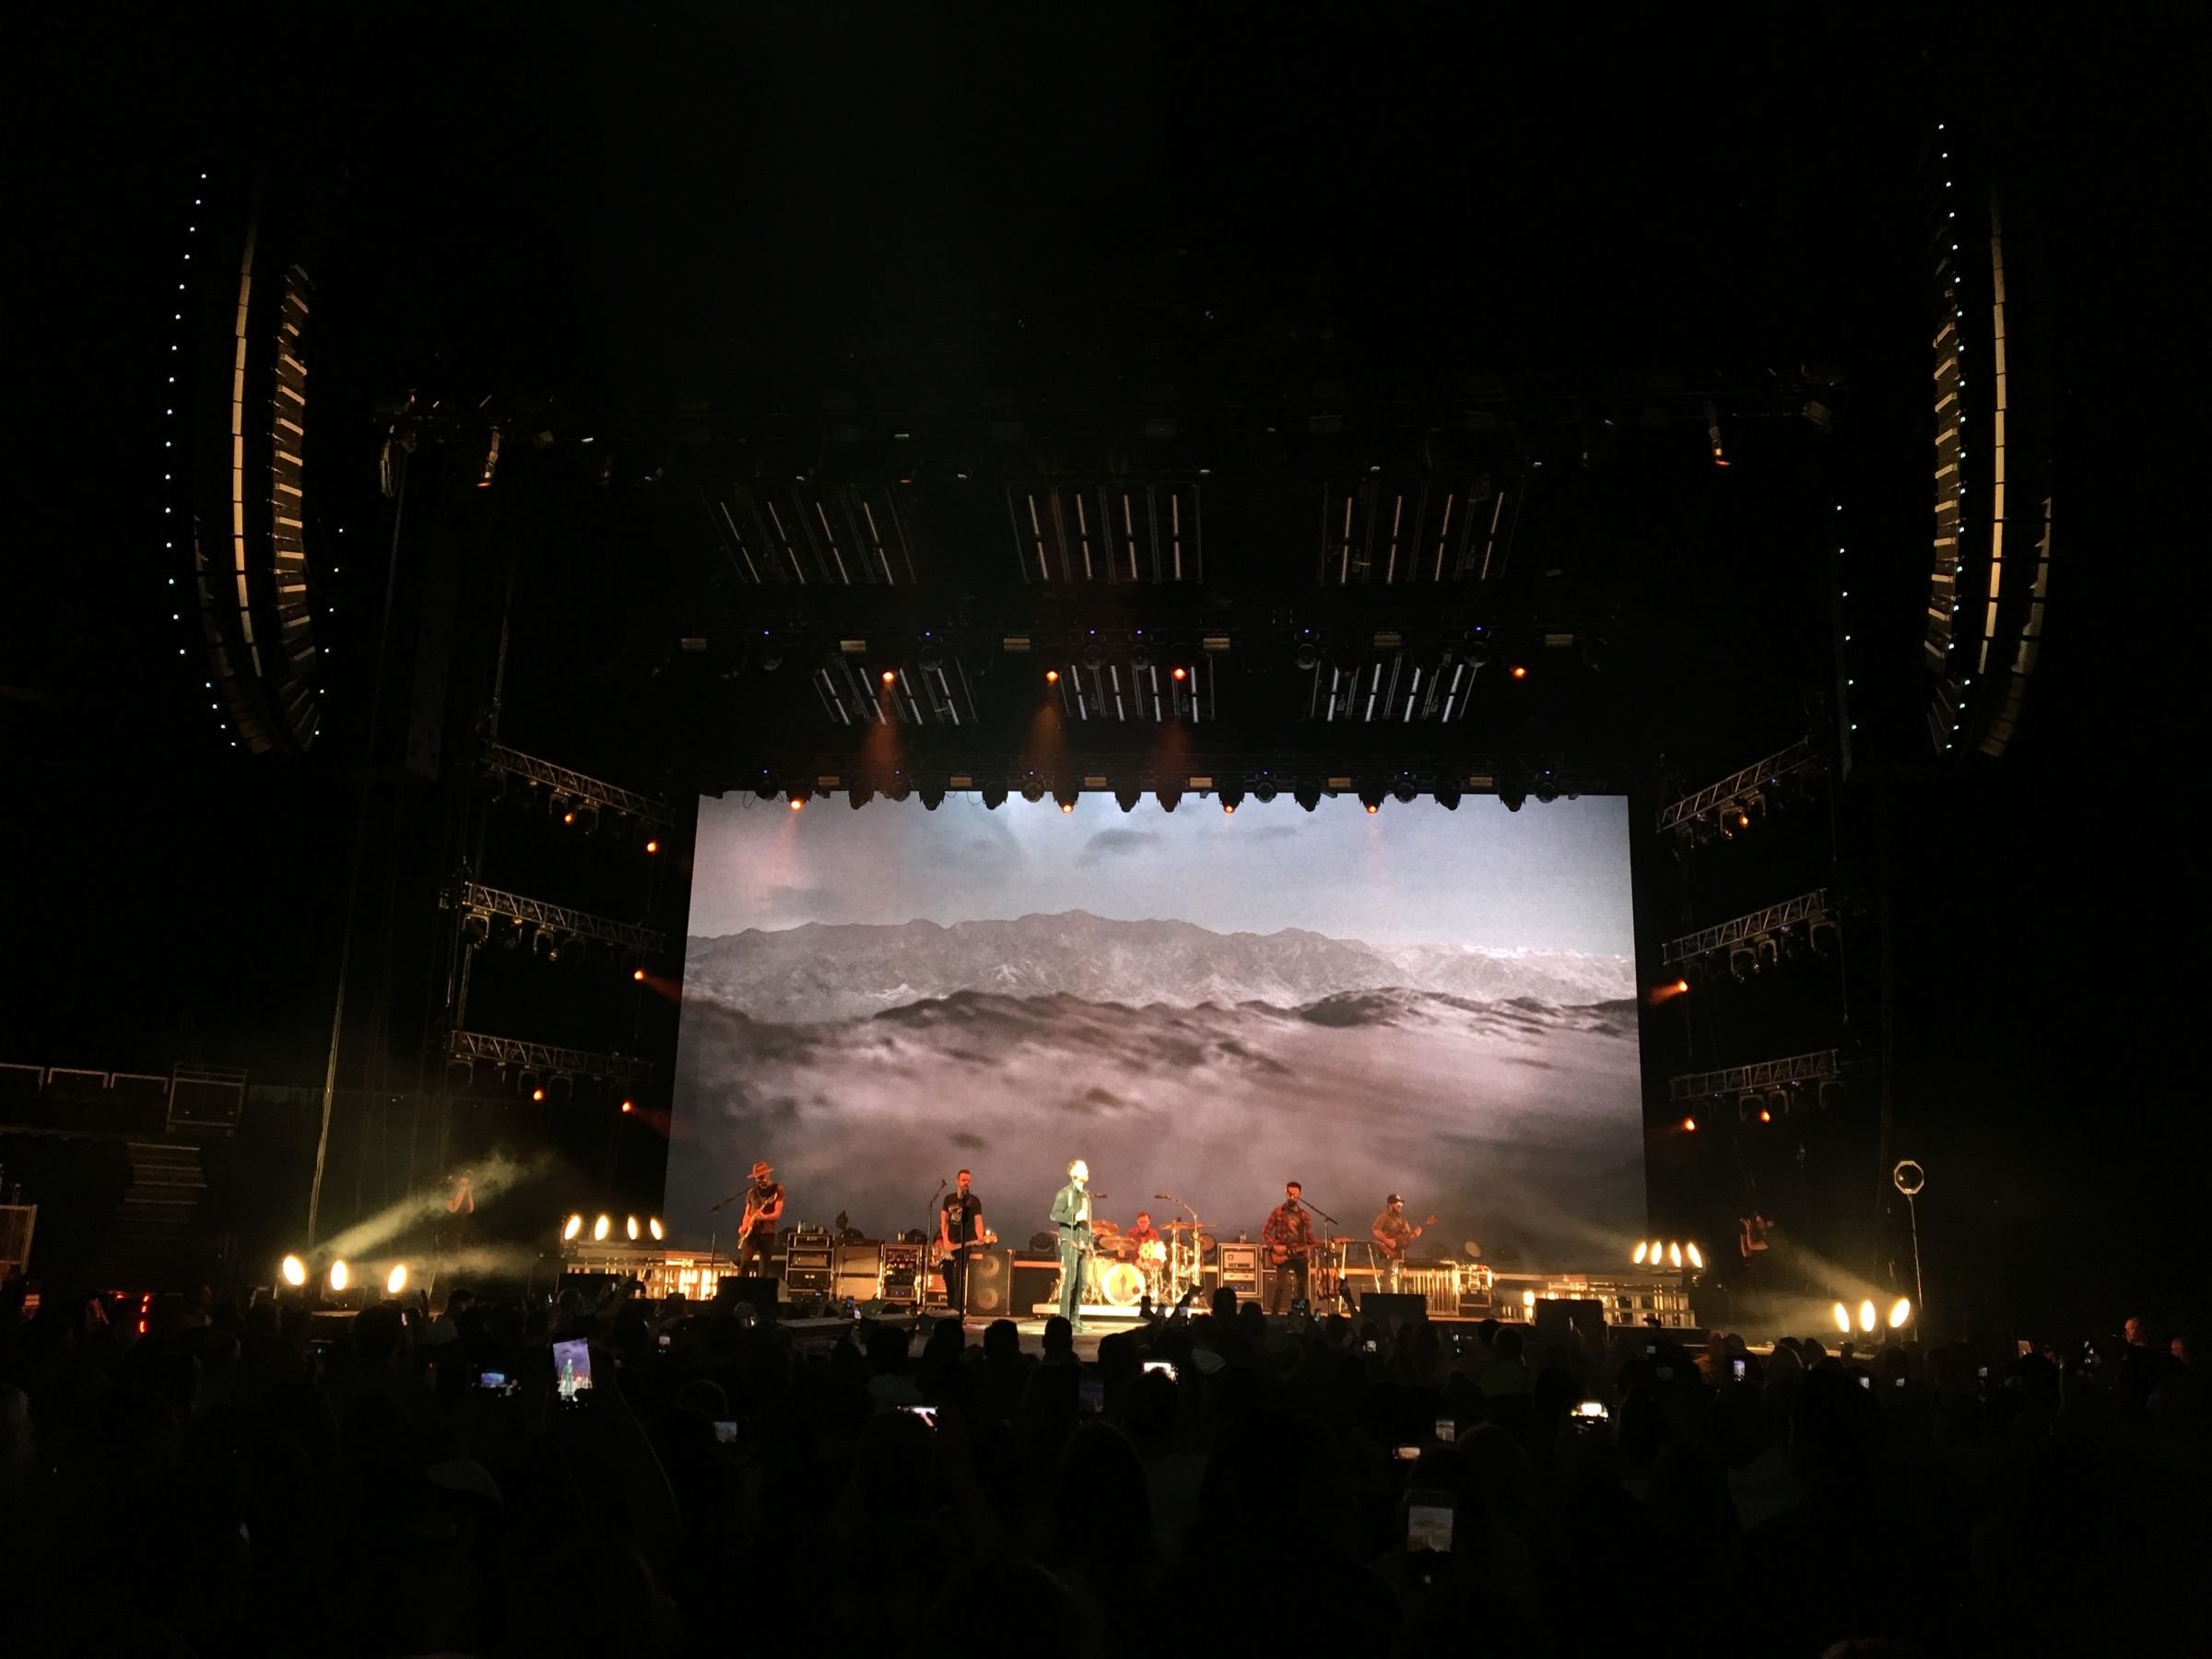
(1343, 1239)
(1184, 1226)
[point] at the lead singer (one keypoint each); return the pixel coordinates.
(1071, 1214)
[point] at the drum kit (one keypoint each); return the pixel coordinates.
(1123, 1270)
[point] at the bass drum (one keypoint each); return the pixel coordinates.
(1121, 1285)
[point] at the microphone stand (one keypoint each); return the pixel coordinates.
(1329, 1250)
(1197, 1257)
(929, 1248)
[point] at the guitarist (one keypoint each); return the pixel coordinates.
(757, 1232)
(1289, 1235)
(959, 1224)
(1395, 1235)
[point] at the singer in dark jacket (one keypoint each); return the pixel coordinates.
(1071, 1214)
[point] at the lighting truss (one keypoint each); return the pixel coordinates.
(1400, 688)
(545, 1059)
(1140, 689)
(1118, 532)
(1739, 789)
(1822, 1065)
(931, 692)
(1391, 532)
(1806, 908)
(562, 779)
(480, 899)
(824, 535)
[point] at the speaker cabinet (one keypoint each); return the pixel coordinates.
(1035, 1280)
(990, 1285)
(1399, 1309)
(1554, 1321)
(731, 1289)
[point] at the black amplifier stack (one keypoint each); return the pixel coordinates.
(810, 1264)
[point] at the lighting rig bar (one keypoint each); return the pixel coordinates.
(1822, 1065)
(545, 1059)
(479, 900)
(1775, 918)
(499, 758)
(1739, 789)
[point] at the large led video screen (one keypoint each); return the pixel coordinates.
(1437, 1003)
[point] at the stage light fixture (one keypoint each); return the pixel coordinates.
(1742, 964)
(1308, 659)
(653, 1226)
(931, 799)
(798, 803)
(1519, 671)
(1690, 1125)
(1528, 1300)
(995, 796)
(629, 1106)
(1182, 674)
(1674, 1255)
(1066, 794)
(294, 1271)
(572, 1228)
(1681, 987)
(631, 1228)
(1641, 1250)
(340, 1275)
(637, 974)
(1697, 1257)
(1169, 795)
(889, 677)
(601, 1228)
(1372, 799)
(1231, 798)
(1867, 1318)
(653, 846)
(1843, 1317)
(476, 927)
(1127, 798)
(1405, 794)
(396, 1280)
(538, 1096)
(1901, 1312)
(1512, 800)
(1051, 676)
(1447, 796)
(1306, 795)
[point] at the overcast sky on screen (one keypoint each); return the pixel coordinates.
(1548, 877)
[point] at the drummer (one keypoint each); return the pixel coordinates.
(1151, 1258)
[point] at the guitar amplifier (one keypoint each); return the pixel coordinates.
(902, 1280)
(810, 1264)
(1240, 1268)
(859, 1271)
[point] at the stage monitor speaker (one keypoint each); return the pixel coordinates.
(1398, 1306)
(734, 1289)
(1035, 1280)
(1554, 1320)
(990, 1285)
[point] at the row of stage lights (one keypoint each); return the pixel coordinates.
(995, 795)
(580, 813)
(1869, 1316)
(603, 1225)
(340, 1276)
(1661, 1253)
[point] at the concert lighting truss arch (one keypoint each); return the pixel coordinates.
(1799, 918)
(565, 783)
(474, 899)
(242, 419)
(1739, 791)
(1761, 1076)
(545, 1059)
(1990, 562)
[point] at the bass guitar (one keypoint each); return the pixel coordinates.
(1396, 1252)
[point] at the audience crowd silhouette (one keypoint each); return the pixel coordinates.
(237, 1481)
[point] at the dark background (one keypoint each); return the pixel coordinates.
(632, 209)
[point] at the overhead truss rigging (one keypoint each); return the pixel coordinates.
(1821, 1065)
(480, 901)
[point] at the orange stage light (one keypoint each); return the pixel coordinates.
(1181, 673)
(889, 678)
(629, 1106)
(653, 846)
(568, 817)
(1520, 672)
(1051, 676)
(1067, 805)
(1690, 1124)
(797, 803)
(538, 1094)
(1228, 806)
(637, 974)
(1372, 809)
(1765, 1116)
(1681, 985)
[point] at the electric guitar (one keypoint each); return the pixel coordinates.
(941, 1249)
(1396, 1252)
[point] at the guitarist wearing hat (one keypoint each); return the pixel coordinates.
(1395, 1235)
(756, 1231)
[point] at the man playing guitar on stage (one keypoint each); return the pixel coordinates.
(1395, 1235)
(959, 1224)
(1289, 1235)
(756, 1231)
